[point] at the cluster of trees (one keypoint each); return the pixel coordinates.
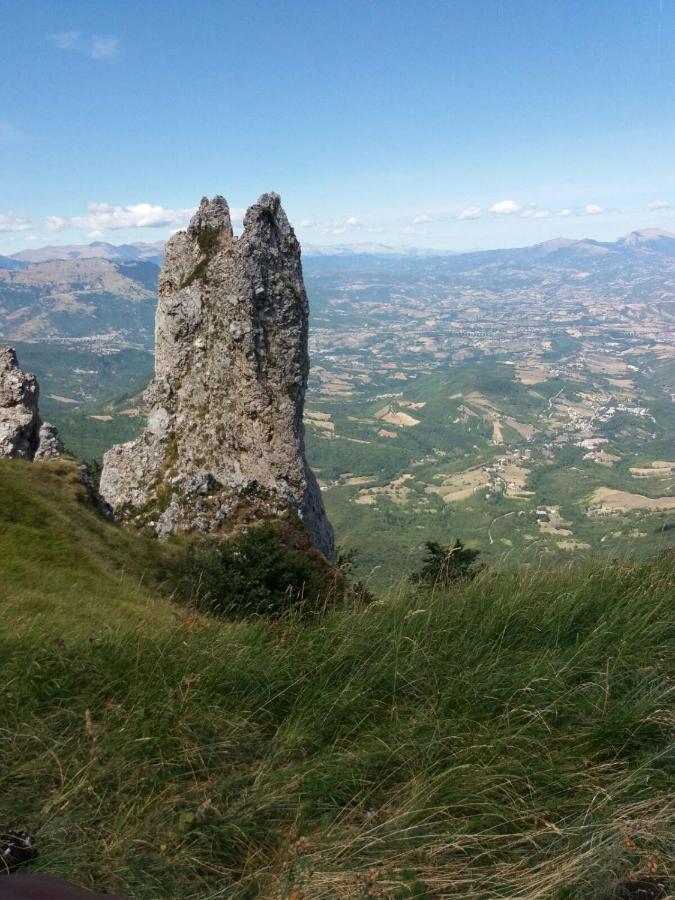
(264, 572)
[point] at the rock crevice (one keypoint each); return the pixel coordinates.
(224, 443)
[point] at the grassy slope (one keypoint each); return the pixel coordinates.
(509, 740)
(62, 561)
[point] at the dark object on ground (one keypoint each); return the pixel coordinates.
(442, 566)
(641, 889)
(16, 849)
(46, 887)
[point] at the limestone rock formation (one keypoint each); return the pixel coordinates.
(224, 443)
(22, 433)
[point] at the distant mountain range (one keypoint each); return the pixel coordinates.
(108, 293)
(647, 240)
(97, 250)
(79, 298)
(371, 249)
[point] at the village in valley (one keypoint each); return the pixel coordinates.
(532, 419)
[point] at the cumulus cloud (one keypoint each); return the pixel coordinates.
(659, 204)
(592, 209)
(533, 212)
(471, 212)
(339, 226)
(505, 208)
(95, 46)
(10, 222)
(55, 223)
(106, 217)
(421, 220)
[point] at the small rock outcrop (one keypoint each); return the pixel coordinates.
(224, 443)
(22, 433)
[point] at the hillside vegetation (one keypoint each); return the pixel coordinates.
(510, 738)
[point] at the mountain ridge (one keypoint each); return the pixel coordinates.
(642, 239)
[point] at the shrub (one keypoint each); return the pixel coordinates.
(443, 566)
(260, 572)
(357, 589)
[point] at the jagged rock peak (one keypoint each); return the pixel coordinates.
(224, 444)
(212, 214)
(22, 433)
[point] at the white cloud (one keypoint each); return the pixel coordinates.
(104, 47)
(532, 212)
(421, 220)
(105, 216)
(55, 223)
(409, 230)
(505, 208)
(10, 222)
(95, 46)
(471, 212)
(66, 40)
(592, 209)
(659, 204)
(334, 227)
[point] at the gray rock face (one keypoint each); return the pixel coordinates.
(224, 443)
(22, 433)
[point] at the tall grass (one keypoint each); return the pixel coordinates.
(512, 738)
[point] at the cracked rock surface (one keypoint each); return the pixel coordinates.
(224, 442)
(23, 435)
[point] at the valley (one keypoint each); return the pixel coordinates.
(521, 400)
(535, 422)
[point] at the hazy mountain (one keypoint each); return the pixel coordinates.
(647, 239)
(370, 249)
(77, 298)
(6, 262)
(151, 252)
(80, 291)
(653, 239)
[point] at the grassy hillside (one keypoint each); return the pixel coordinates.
(510, 739)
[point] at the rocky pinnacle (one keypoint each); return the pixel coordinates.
(22, 433)
(224, 443)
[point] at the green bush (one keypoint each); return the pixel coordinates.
(443, 566)
(254, 574)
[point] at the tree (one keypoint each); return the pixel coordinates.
(444, 566)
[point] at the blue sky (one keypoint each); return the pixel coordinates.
(464, 124)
